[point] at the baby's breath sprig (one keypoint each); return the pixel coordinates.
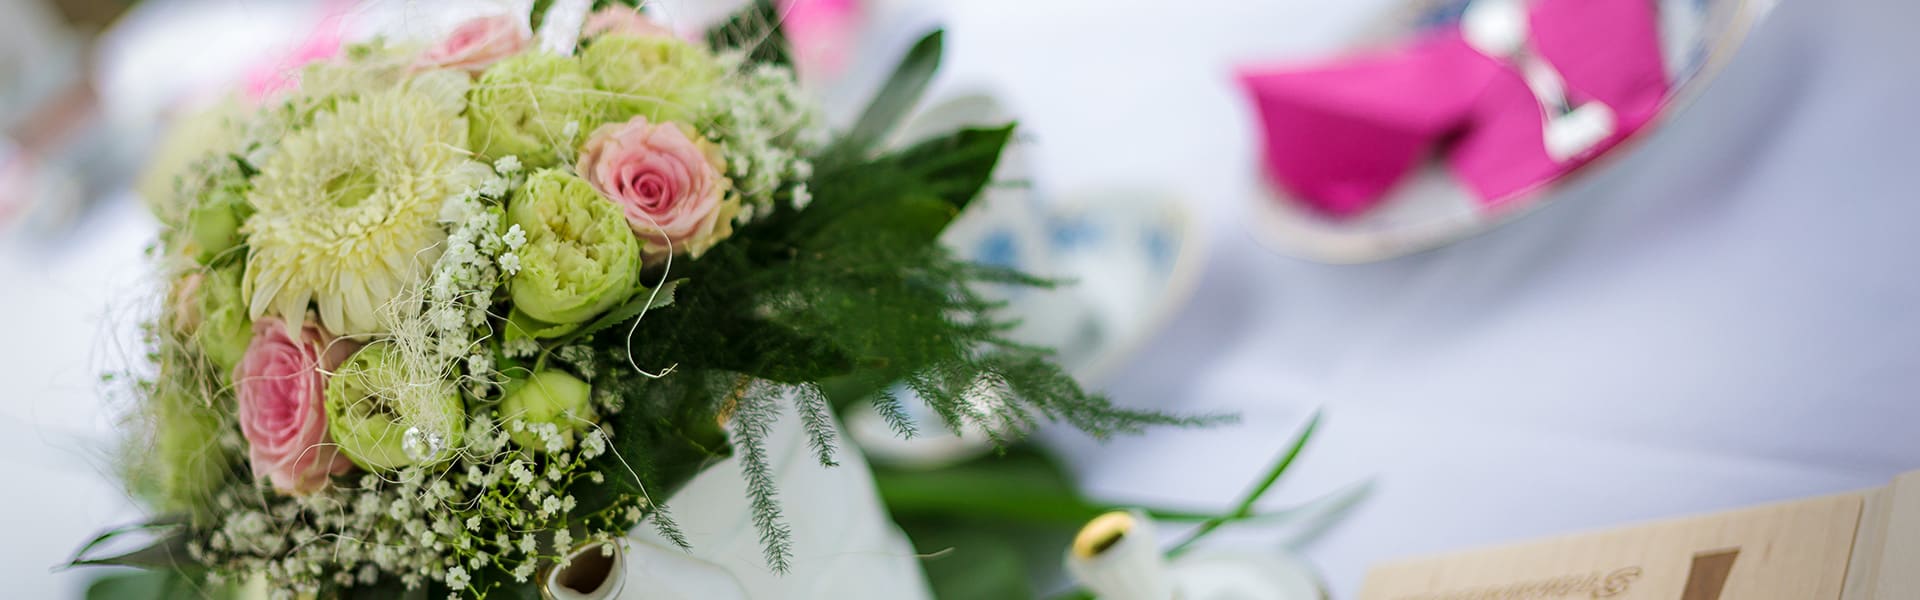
(478, 256)
(766, 129)
(505, 508)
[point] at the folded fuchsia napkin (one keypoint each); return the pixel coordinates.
(1340, 135)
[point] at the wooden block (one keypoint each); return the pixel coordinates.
(1790, 551)
(1869, 543)
(1898, 573)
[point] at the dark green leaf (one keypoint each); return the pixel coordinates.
(643, 300)
(970, 564)
(957, 167)
(390, 588)
(755, 29)
(156, 584)
(520, 326)
(913, 219)
(246, 167)
(167, 550)
(896, 98)
(658, 444)
(1020, 486)
(539, 13)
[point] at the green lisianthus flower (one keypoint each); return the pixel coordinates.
(224, 329)
(384, 420)
(184, 465)
(214, 224)
(178, 165)
(535, 106)
(549, 398)
(581, 257)
(660, 77)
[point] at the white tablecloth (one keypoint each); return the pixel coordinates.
(1727, 317)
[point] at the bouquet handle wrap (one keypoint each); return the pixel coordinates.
(844, 544)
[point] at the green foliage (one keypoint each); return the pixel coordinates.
(167, 549)
(981, 560)
(643, 300)
(756, 30)
(1019, 487)
(960, 165)
(539, 12)
(852, 292)
(811, 401)
(853, 288)
(752, 421)
(897, 98)
(666, 433)
(1245, 507)
(147, 585)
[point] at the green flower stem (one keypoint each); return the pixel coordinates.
(1245, 508)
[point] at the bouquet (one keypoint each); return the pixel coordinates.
(443, 315)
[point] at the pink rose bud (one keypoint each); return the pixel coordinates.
(281, 382)
(823, 33)
(667, 179)
(614, 20)
(478, 43)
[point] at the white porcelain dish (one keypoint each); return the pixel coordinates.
(1431, 209)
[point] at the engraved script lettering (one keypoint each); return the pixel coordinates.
(1597, 584)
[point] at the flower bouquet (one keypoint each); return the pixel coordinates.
(441, 316)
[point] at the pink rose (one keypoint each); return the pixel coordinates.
(623, 21)
(478, 43)
(281, 383)
(667, 179)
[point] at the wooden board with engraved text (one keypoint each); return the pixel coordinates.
(1827, 548)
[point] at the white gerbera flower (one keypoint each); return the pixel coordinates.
(348, 208)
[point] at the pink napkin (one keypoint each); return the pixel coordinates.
(1340, 135)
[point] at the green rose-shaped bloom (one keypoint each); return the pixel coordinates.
(214, 226)
(535, 106)
(580, 258)
(385, 420)
(660, 77)
(224, 330)
(184, 466)
(548, 398)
